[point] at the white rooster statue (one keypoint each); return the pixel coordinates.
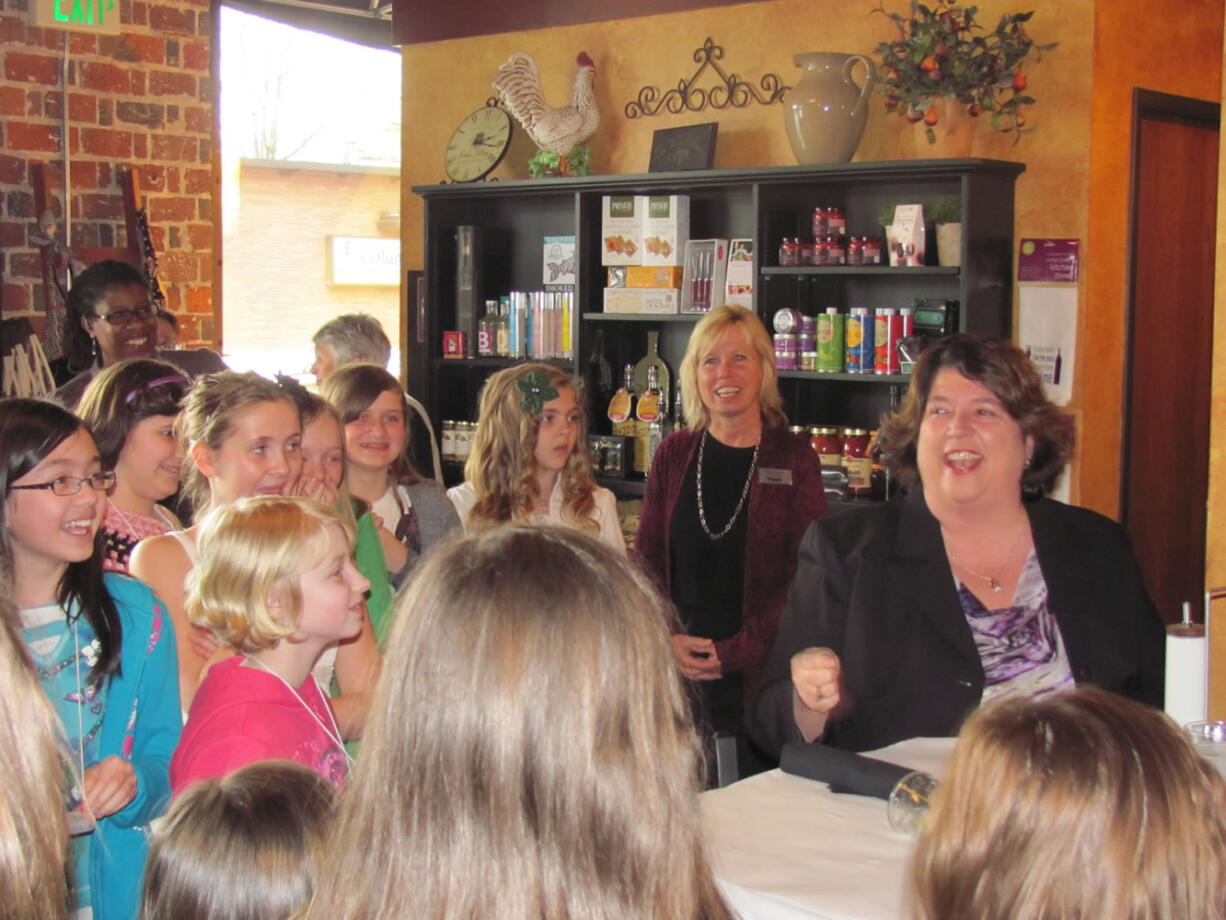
(560, 133)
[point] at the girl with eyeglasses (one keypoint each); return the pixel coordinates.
(131, 408)
(110, 319)
(101, 643)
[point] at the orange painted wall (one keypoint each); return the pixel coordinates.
(1215, 554)
(1184, 57)
(1073, 173)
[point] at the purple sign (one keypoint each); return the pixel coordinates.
(1049, 260)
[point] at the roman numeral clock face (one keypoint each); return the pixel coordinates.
(478, 145)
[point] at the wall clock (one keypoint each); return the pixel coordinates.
(478, 145)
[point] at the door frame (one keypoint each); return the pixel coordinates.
(1147, 103)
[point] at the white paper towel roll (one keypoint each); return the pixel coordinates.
(1187, 677)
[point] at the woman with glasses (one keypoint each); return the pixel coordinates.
(101, 643)
(110, 318)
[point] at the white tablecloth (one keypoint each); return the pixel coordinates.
(787, 848)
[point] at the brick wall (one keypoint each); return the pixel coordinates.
(141, 98)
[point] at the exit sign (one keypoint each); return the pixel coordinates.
(100, 16)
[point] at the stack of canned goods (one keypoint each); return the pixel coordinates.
(863, 341)
(455, 443)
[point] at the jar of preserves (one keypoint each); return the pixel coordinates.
(806, 253)
(821, 216)
(857, 462)
(789, 251)
(447, 440)
(834, 250)
(464, 432)
(836, 224)
(821, 250)
(855, 250)
(799, 432)
(872, 250)
(827, 443)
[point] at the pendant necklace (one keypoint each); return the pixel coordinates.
(702, 515)
(992, 580)
(334, 733)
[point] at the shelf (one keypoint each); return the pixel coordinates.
(851, 270)
(644, 317)
(903, 379)
(567, 364)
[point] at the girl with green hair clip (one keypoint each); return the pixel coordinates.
(529, 458)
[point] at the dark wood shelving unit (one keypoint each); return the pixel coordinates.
(763, 204)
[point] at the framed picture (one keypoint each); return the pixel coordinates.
(690, 147)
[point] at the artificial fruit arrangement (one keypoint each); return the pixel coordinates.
(941, 52)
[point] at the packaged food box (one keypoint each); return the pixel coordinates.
(642, 300)
(666, 228)
(738, 284)
(559, 268)
(621, 229)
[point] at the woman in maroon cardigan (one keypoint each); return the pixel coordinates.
(728, 501)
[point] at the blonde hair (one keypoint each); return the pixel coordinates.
(208, 418)
(501, 465)
(702, 340)
(33, 822)
(249, 552)
(246, 847)
(530, 752)
(1077, 804)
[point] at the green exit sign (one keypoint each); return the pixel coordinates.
(101, 16)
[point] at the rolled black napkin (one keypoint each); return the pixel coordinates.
(845, 771)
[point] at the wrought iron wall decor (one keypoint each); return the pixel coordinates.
(687, 96)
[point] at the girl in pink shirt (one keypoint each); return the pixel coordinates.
(275, 580)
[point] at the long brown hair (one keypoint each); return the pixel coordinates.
(1072, 805)
(501, 466)
(530, 753)
(352, 389)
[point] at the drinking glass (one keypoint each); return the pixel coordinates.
(908, 803)
(1209, 739)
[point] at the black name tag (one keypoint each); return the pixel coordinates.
(773, 477)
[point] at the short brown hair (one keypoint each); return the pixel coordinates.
(1007, 372)
(248, 845)
(1075, 804)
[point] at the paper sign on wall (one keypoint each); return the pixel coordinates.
(1047, 273)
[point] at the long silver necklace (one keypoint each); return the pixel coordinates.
(992, 580)
(702, 514)
(334, 732)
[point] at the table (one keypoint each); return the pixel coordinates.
(787, 848)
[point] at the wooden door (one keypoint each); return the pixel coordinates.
(1170, 315)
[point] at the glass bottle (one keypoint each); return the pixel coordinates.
(502, 343)
(487, 330)
(664, 377)
(622, 405)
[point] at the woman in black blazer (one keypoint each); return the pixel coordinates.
(903, 617)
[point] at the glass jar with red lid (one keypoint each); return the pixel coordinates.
(857, 462)
(827, 443)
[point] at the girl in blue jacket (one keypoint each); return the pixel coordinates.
(103, 647)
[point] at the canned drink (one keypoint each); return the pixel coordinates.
(859, 349)
(887, 330)
(830, 341)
